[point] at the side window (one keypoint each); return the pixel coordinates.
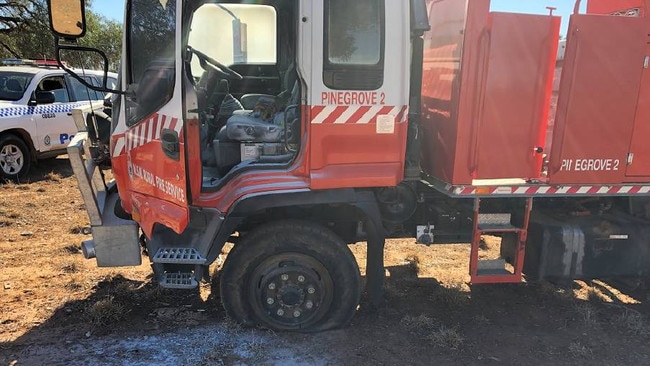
(354, 44)
(151, 42)
(55, 84)
(80, 92)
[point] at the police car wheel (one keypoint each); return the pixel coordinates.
(14, 158)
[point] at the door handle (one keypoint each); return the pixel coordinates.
(170, 144)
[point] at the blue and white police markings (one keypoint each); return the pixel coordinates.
(47, 141)
(64, 137)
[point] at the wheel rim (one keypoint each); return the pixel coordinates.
(11, 159)
(291, 291)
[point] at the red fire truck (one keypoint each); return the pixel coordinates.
(294, 127)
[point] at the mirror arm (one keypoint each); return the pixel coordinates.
(104, 87)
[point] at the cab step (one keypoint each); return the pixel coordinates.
(178, 280)
(178, 256)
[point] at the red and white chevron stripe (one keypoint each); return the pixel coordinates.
(587, 190)
(333, 114)
(146, 131)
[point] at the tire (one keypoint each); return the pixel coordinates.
(15, 159)
(291, 275)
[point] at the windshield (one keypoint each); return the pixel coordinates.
(13, 85)
(234, 34)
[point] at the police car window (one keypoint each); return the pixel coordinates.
(13, 85)
(80, 92)
(56, 85)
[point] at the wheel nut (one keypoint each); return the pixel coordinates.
(272, 286)
(270, 301)
(311, 290)
(280, 312)
(309, 304)
(284, 277)
(296, 314)
(301, 278)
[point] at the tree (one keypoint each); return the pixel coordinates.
(16, 17)
(25, 33)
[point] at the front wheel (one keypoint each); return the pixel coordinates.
(14, 158)
(293, 276)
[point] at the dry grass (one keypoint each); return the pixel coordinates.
(438, 335)
(451, 295)
(579, 350)
(105, 312)
(444, 337)
(70, 268)
(587, 314)
(413, 264)
(418, 325)
(53, 177)
(633, 322)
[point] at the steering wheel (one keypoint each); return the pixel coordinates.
(207, 61)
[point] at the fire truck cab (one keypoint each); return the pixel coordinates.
(292, 128)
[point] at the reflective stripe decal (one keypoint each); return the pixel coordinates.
(589, 190)
(40, 109)
(145, 132)
(332, 114)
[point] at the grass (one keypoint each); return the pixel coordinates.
(105, 312)
(70, 268)
(438, 335)
(445, 337)
(633, 322)
(579, 350)
(53, 177)
(587, 314)
(240, 346)
(413, 263)
(418, 325)
(451, 295)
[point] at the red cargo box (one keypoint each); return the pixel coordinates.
(617, 7)
(485, 114)
(597, 119)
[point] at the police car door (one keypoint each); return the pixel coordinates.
(54, 124)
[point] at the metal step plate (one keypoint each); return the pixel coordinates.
(491, 264)
(494, 219)
(178, 256)
(178, 281)
(492, 267)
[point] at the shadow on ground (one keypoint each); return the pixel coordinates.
(421, 321)
(48, 169)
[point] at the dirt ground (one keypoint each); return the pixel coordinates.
(57, 308)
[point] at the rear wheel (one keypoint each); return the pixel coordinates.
(14, 158)
(291, 276)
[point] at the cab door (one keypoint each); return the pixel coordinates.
(356, 57)
(154, 139)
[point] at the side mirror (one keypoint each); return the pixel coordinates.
(67, 18)
(419, 17)
(44, 97)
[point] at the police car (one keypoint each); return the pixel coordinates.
(36, 103)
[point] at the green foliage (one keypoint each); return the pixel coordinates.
(26, 34)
